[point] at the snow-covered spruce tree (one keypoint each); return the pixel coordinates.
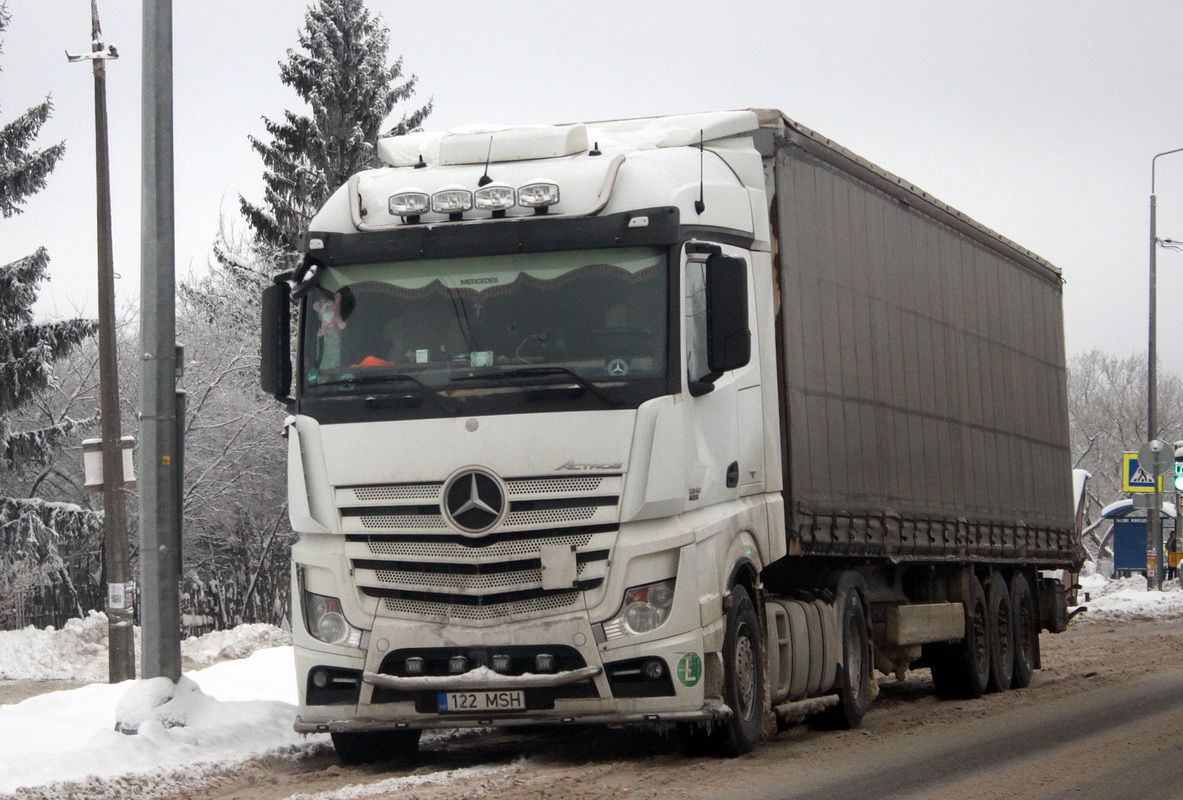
(235, 481)
(342, 74)
(30, 529)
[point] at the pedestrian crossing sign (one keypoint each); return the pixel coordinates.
(1136, 479)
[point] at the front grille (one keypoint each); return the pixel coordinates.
(500, 611)
(402, 521)
(404, 553)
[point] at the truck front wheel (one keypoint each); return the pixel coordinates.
(376, 746)
(743, 687)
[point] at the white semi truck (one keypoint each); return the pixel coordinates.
(690, 421)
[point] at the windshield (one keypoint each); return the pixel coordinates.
(587, 319)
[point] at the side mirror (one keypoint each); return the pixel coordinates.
(729, 340)
(275, 365)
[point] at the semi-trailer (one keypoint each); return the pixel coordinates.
(688, 421)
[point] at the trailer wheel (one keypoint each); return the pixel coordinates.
(1002, 634)
(743, 687)
(854, 677)
(1026, 626)
(961, 670)
(375, 746)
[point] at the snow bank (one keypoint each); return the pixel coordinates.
(227, 712)
(1127, 600)
(78, 652)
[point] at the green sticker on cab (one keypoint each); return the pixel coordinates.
(690, 669)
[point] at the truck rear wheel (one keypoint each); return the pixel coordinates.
(375, 746)
(743, 687)
(1026, 626)
(1002, 634)
(961, 670)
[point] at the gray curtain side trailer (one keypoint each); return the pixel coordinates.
(923, 388)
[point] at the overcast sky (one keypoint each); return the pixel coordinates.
(1039, 119)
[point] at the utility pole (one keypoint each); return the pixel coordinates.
(160, 545)
(120, 602)
(1154, 528)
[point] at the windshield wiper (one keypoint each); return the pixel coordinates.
(529, 372)
(396, 378)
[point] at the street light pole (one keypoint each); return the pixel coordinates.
(1154, 529)
(160, 540)
(120, 605)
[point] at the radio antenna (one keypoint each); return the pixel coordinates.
(485, 179)
(700, 204)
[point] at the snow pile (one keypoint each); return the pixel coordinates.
(1127, 600)
(78, 652)
(204, 651)
(227, 712)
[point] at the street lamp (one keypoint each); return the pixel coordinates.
(1154, 529)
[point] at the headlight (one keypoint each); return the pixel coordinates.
(644, 609)
(327, 622)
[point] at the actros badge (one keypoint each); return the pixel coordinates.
(474, 501)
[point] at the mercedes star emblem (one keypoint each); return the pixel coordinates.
(617, 368)
(474, 501)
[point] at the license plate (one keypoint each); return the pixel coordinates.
(450, 702)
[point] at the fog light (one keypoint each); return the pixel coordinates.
(409, 204)
(544, 662)
(501, 663)
(494, 198)
(457, 665)
(654, 670)
(451, 201)
(539, 195)
(320, 678)
(414, 666)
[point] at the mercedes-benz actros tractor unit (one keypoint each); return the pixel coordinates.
(689, 422)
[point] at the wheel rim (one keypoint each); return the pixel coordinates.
(982, 643)
(745, 673)
(854, 657)
(1004, 631)
(1025, 647)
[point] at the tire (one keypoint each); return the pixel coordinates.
(1002, 635)
(743, 687)
(1026, 624)
(374, 747)
(961, 670)
(854, 676)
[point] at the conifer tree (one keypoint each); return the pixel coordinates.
(30, 530)
(342, 74)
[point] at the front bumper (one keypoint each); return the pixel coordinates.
(364, 724)
(589, 692)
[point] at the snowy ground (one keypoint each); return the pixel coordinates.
(239, 699)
